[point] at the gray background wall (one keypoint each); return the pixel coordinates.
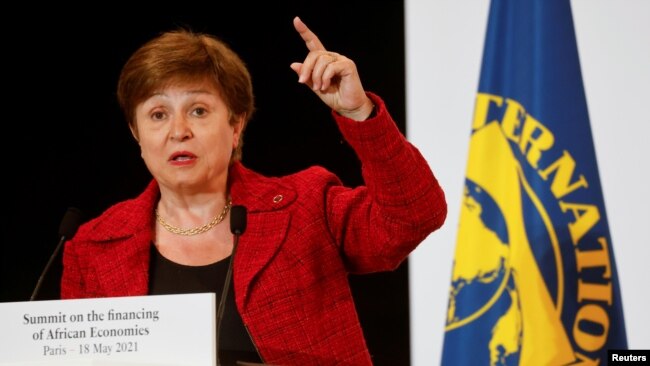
(443, 49)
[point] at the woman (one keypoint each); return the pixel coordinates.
(187, 98)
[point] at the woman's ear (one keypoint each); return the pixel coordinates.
(134, 133)
(238, 126)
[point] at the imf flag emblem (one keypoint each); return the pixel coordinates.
(499, 300)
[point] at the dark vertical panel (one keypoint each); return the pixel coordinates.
(74, 149)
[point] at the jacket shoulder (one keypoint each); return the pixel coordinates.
(122, 219)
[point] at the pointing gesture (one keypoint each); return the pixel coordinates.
(332, 76)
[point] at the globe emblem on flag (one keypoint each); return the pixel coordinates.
(483, 292)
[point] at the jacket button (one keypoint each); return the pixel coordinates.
(277, 198)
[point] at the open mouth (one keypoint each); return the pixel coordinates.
(182, 156)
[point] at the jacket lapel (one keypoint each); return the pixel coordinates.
(123, 267)
(266, 200)
(121, 262)
(257, 246)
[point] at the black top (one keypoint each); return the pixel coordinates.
(167, 277)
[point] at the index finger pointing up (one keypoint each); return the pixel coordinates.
(312, 42)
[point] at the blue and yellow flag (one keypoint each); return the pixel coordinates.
(534, 279)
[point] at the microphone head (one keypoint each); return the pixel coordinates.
(72, 218)
(237, 219)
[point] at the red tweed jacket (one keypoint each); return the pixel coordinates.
(305, 234)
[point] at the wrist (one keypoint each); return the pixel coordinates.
(365, 112)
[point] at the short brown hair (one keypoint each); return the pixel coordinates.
(182, 56)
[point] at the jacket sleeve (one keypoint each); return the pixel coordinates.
(377, 225)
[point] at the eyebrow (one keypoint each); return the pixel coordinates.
(194, 91)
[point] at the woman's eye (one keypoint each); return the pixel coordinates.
(157, 116)
(199, 112)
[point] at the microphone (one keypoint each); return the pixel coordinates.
(237, 220)
(237, 227)
(72, 218)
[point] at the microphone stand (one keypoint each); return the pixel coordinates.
(226, 286)
(72, 218)
(47, 267)
(237, 227)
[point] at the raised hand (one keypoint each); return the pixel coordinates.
(332, 76)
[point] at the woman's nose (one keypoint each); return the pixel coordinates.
(180, 129)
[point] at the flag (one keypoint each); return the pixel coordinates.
(534, 280)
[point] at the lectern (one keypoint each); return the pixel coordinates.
(160, 330)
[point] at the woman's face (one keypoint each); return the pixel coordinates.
(186, 138)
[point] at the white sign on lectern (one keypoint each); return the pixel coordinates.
(158, 330)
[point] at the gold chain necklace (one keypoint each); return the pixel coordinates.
(195, 230)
